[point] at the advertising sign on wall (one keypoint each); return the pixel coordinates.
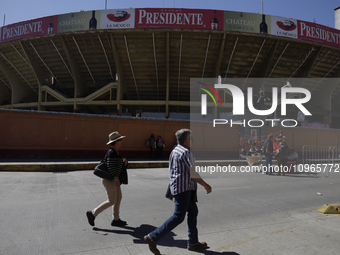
(118, 19)
(175, 18)
(318, 33)
(179, 18)
(246, 22)
(286, 27)
(29, 28)
(79, 21)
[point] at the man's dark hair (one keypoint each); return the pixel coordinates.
(182, 135)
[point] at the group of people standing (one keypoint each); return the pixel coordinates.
(278, 148)
(156, 146)
(182, 187)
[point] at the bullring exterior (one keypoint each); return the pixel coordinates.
(128, 61)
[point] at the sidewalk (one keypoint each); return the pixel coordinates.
(65, 166)
(246, 214)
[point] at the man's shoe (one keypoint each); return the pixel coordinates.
(90, 218)
(118, 223)
(197, 246)
(152, 245)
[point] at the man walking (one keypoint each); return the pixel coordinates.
(183, 186)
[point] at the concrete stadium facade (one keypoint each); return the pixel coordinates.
(132, 61)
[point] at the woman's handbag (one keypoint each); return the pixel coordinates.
(123, 177)
(102, 171)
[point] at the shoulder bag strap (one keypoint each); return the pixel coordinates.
(107, 155)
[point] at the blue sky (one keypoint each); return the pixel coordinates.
(322, 11)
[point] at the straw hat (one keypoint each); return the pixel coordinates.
(114, 136)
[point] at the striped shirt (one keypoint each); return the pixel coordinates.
(180, 161)
(114, 163)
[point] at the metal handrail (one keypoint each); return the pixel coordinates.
(321, 154)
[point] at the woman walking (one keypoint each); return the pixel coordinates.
(117, 167)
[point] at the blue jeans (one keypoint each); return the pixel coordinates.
(183, 204)
(269, 160)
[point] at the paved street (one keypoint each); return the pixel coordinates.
(247, 213)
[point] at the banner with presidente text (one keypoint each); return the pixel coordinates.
(179, 18)
(176, 18)
(35, 27)
(318, 33)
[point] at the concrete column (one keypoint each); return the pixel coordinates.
(5, 94)
(167, 75)
(80, 85)
(19, 90)
(38, 73)
(120, 90)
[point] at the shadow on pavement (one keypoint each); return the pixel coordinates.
(171, 242)
(207, 252)
(139, 232)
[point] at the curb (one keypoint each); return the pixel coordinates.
(69, 166)
(79, 166)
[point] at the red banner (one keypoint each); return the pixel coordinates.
(318, 33)
(179, 18)
(29, 28)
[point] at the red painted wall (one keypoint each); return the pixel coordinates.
(48, 135)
